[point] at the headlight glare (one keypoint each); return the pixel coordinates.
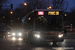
(13, 34)
(20, 34)
(37, 35)
(13, 38)
(8, 32)
(61, 35)
(20, 39)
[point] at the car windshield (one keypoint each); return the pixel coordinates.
(2, 28)
(50, 22)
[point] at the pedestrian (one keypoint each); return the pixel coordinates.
(65, 31)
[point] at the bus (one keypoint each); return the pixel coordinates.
(2, 30)
(43, 25)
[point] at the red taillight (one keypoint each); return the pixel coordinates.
(40, 12)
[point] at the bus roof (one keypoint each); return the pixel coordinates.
(47, 10)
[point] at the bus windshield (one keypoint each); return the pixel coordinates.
(48, 22)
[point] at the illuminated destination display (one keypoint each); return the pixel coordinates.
(57, 12)
(48, 12)
(40, 12)
(53, 13)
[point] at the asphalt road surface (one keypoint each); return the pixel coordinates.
(9, 44)
(67, 44)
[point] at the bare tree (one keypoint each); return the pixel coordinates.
(3, 2)
(72, 9)
(60, 4)
(31, 5)
(37, 4)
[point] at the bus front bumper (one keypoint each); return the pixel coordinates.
(48, 39)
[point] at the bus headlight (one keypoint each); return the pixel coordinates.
(20, 34)
(13, 34)
(13, 38)
(61, 35)
(37, 35)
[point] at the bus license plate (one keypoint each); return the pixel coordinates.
(49, 40)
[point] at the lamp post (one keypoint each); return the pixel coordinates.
(18, 20)
(12, 18)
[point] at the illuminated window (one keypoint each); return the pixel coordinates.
(18, 18)
(11, 20)
(57, 12)
(40, 13)
(51, 13)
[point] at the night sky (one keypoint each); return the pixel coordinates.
(17, 2)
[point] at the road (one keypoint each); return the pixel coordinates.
(67, 44)
(9, 44)
(70, 35)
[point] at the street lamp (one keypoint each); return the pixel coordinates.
(65, 14)
(25, 4)
(3, 16)
(11, 12)
(49, 7)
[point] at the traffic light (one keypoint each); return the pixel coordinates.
(0, 7)
(11, 6)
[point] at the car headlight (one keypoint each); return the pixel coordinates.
(20, 34)
(61, 35)
(8, 32)
(14, 34)
(20, 39)
(37, 35)
(13, 38)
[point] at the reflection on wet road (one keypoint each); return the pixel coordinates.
(8, 44)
